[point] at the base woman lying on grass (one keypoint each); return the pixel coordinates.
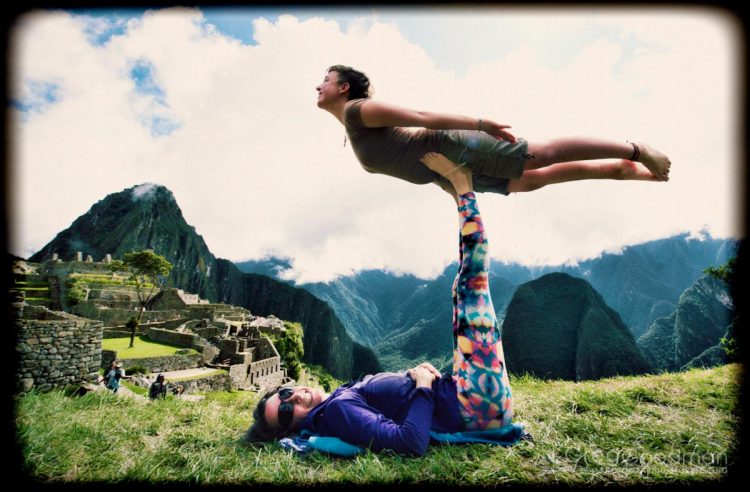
(397, 411)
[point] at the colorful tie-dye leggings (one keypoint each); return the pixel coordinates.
(478, 360)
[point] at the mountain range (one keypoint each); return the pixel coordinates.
(404, 318)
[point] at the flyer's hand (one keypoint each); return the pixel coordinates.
(497, 130)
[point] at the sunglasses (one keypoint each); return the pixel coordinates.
(286, 409)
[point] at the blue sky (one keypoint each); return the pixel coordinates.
(40, 95)
(234, 22)
(449, 49)
(219, 106)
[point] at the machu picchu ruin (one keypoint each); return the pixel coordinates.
(64, 309)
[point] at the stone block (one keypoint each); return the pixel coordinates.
(209, 353)
(244, 358)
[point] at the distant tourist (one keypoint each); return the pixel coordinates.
(158, 388)
(113, 377)
(105, 378)
(397, 411)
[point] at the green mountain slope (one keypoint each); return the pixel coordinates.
(697, 325)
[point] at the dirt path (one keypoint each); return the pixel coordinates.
(185, 373)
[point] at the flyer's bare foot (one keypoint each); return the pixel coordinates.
(458, 174)
(655, 161)
(629, 170)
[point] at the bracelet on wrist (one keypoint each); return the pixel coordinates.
(480, 124)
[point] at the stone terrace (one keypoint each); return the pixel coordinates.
(228, 337)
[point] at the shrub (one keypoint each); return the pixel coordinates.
(290, 348)
(76, 291)
(138, 370)
(328, 382)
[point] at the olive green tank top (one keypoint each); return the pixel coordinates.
(394, 151)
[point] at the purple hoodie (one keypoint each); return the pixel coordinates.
(387, 411)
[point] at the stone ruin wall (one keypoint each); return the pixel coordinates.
(266, 373)
(265, 348)
(57, 353)
(154, 364)
(216, 382)
(58, 267)
(189, 340)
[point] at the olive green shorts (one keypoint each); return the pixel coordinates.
(493, 162)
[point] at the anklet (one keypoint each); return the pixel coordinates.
(636, 152)
(454, 169)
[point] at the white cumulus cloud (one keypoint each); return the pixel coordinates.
(259, 170)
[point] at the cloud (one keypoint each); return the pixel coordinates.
(233, 131)
(143, 191)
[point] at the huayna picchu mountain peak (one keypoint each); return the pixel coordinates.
(147, 216)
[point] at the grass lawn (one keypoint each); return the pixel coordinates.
(677, 429)
(142, 347)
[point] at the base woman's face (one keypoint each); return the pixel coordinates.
(302, 401)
